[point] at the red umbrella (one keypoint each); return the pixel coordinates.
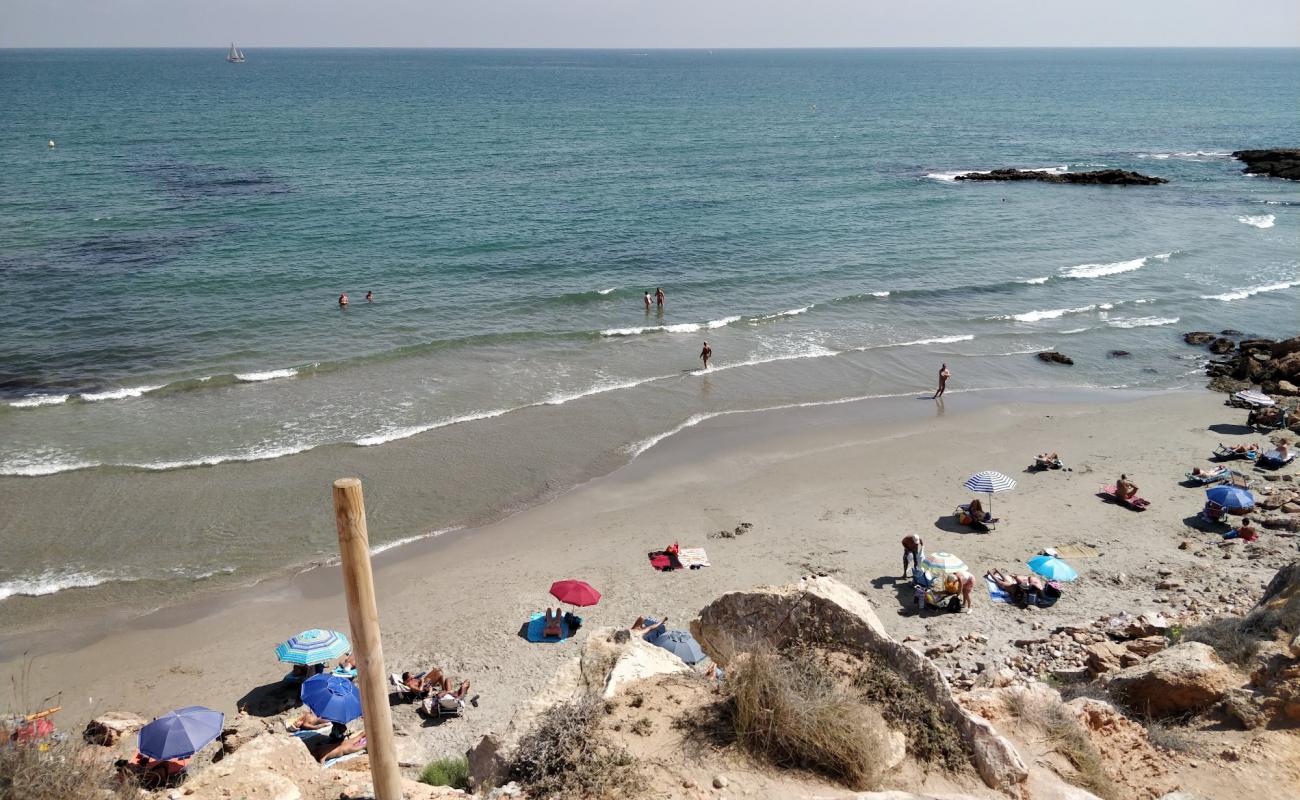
(575, 593)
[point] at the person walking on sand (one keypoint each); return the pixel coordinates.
(647, 300)
(659, 297)
(913, 549)
(343, 299)
(944, 374)
(706, 354)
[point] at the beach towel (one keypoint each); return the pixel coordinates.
(997, 593)
(693, 557)
(1075, 551)
(661, 561)
(537, 623)
(329, 762)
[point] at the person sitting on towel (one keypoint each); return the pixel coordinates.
(976, 510)
(1283, 450)
(1125, 489)
(1246, 532)
(644, 625)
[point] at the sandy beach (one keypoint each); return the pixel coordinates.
(828, 489)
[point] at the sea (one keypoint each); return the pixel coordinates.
(178, 381)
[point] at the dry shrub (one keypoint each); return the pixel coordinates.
(1165, 736)
(1238, 640)
(792, 712)
(60, 771)
(567, 756)
(930, 736)
(1068, 737)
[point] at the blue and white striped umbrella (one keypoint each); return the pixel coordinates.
(990, 483)
(315, 646)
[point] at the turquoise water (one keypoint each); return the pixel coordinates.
(172, 266)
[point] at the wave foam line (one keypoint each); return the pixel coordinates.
(119, 394)
(560, 399)
(38, 400)
(51, 582)
(1141, 322)
(794, 312)
(685, 327)
(268, 375)
(1261, 221)
(379, 548)
(1051, 313)
(1114, 268)
(607, 291)
(394, 434)
(1250, 291)
(1034, 281)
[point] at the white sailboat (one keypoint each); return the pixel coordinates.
(235, 56)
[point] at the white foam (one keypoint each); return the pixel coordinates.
(947, 177)
(118, 394)
(606, 291)
(35, 467)
(1074, 331)
(379, 548)
(880, 294)
(1162, 256)
(600, 388)
(684, 327)
(1198, 155)
(966, 337)
(1035, 281)
(815, 351)
(268, 375)
(1050, 313)
(1028, 351)
(1100, 270)
(37, 400)
(1260, 221)
(50, 582)
(1141, 322)
(794, 312)
(1250, 291)
(394, 434)
(265, 454)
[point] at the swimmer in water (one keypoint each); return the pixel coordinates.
(706, 354)
(659, 297)
(647, 299)
(370, 297)
(343, 299)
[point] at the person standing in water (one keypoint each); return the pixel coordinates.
(647, 300)
(659, 297)
(370, 297)
(706, 354)
(944, 374)
(343, 299)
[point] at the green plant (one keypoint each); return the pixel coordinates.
(453, 772)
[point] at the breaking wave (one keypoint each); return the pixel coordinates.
(1114, 268)
(1250, 291)
(1141, 322)
(268, 375)
(1260, 221)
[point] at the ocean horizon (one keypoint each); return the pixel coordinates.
(173, 265)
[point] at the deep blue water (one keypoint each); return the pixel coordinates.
(196, 221)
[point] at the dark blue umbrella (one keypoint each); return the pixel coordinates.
(180, 733)
(332, 697)
(1231, 497)
(680, 644)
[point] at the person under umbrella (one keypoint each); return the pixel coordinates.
(166, 745)
(990, 483)
(311, 649)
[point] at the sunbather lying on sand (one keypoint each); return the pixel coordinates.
(1048, 458)
(450, 700)
(642, 626)
(1015, 585)
(1243, 449)
(1197, 471)
(307, 722)
(352, 744)
(552, 626)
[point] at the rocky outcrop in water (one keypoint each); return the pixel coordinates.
(1053, 357)
(1273, 365)
(1279, 163)
(1104, 177)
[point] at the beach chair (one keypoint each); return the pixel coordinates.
(442, 705)
(404, 693)
(1273, 459)
(1042, 464)
(1225, 453)
(1207, 478)
(1134, 503)
(987, 523)
(1213, 513)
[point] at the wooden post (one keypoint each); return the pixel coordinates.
(363, 614)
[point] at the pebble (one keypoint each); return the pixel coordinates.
(688, 784)
(720, 781)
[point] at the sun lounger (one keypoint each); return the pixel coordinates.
(1213, 476)
(404, 693)
(987, 523)
(537, 624)
(1273, 459)
(1225, 453)
(1135, 503)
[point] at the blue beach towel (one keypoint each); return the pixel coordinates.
(537, 621)
(329, 762)
(996, 592)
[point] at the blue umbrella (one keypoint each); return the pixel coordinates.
(332, 697)
(1231, 497)
(180, 733)
(1052, 568)
(315, 646)
(681, 644)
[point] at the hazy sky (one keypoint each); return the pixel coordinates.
(648, 23)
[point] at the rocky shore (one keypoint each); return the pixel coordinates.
(1278, 163)
(1104, 177)
(1272, 365)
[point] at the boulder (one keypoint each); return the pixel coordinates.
(109, 728)
(1280, 162)
(1188, 677)
(1285, 347)
(1104, 177)
(1231, 332)
(1053, 357)
(1264, 346)
(1222, 345)
(1243, 706)
(1146, 646)
(1198, 337)
(268, 767)
(1104, 657)
(829, 611)
(240, 729)
(1287, 367)
(1287, 388)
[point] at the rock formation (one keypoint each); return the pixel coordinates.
(829, 611)
(1104, 177)
(1053, 357)
(1188, 677)
(1280, 163)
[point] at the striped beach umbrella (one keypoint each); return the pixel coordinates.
(943, 564)
(990, 483)
(315, 646)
